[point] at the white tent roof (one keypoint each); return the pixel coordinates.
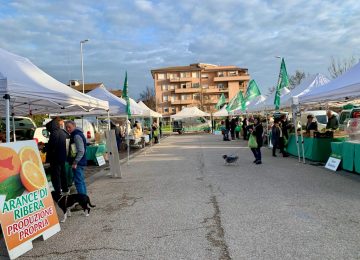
(32, 90)
(189, 112)
(306, 86)
(346, 85)
(221, 112)
(117, 105)
(147, 111)
(257, 104)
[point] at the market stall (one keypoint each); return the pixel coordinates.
(349, 152)
(315, 149)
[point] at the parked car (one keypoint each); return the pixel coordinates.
(25, 129)
(347, 114)
(192, 124)
(320, 117)
(89, 128)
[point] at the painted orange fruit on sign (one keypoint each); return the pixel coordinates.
(32, 177)
(27, 153)
(9, 163)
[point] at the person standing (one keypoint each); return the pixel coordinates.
(257, 131)
(333, 122)
(275, 136)
(232, 128)
(284, 135)
(56, 155)
(77, 156)
(244, 128)
(311, 124)
(227, 128)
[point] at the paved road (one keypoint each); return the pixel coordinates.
(180, 202)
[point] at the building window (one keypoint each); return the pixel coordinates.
(204, 75)
(220, 74)
(173, 109)
(164, 87)
(172, 87)
(205, 86)
(195, 74)
(183, 85)
(221, 85)
(196, 85)
(173, 98)
(233, 73)
(196, 96)
(185, 75)
(165, 98)
(183, 97)
(166, 110)
(161, 76)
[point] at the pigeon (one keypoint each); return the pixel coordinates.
(230, 159)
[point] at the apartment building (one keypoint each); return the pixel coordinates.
(198, 85)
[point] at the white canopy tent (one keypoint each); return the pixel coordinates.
(26, 89)
(31, 90)
(148, 112)
(188, 112)
(308, 85)
(346, 85)
(259, 104)
(222, 112)
(117, 105)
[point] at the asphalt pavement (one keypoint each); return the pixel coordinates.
(179, 201)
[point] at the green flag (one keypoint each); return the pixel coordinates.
(252, 91)
(282, 85)
(126, 96)
(221, 101)
(235, 102)
(243, 102)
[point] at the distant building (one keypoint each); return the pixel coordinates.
(198, 85)
(75, 84)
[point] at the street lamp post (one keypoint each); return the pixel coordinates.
(82, 63)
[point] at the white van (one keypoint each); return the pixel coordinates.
(89, 128)
(319, 116)
(195, 124)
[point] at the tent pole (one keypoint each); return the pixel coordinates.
(296, 136)
(127, 139)
(13, 126)
(267, 128)
(7, 114)
(108, 118)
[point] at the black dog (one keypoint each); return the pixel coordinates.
(66, 202)
(229, 159)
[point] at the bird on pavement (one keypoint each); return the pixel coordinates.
(229, 159)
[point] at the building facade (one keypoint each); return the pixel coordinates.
(198, 85)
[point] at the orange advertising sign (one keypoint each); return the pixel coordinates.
(27, 210)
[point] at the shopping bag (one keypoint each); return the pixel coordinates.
(237, 128)
(252, 142)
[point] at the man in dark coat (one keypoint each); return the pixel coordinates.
(284, 134)
(56, 155)
(275, 136)
(244, 128)
(232, 128)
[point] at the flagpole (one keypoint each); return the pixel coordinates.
(127, 139)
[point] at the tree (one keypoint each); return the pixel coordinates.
(296, 79)
(148, 97)
(338, 67)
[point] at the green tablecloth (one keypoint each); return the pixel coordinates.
(315, 149)
(336, 148)
(95, 150)
(351, 156)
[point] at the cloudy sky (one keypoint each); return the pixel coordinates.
(141, 35)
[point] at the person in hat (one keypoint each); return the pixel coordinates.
(311, 124)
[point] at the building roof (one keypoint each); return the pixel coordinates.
(91, 86)
(197, 67)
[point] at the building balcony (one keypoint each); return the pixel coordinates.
(214, 101)
(232, 78)
(187, 90)
(184, 102)
(215, 90)
(180, 79)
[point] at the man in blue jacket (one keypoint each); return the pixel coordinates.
(77, 155)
